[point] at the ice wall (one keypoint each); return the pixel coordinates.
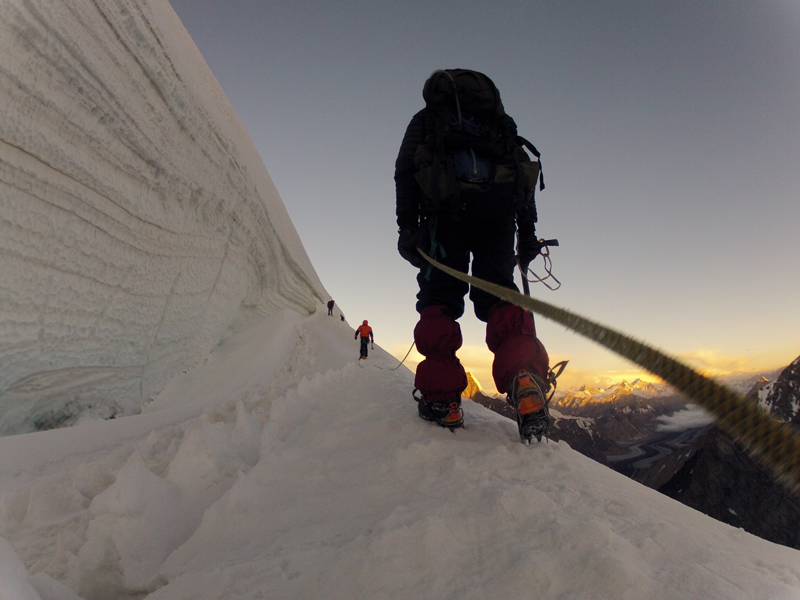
(137, 220)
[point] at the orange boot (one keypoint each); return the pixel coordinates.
(528, 396)
(446, 414)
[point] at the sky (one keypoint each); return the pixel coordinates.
(668, 133)
(248, 479)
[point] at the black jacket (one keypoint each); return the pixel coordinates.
(409, 194)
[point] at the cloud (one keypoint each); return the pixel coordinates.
(691, 418)
(714, 362)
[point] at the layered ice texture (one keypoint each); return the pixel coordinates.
(138, 223)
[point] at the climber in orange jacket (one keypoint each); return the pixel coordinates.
(366, 336)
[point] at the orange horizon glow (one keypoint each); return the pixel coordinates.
(478, 362)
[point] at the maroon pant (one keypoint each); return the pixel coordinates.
(510, 335)
(510, 331)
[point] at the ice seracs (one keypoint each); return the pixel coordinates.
(137, 220)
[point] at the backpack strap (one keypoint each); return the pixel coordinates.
(526, 144)
(451, 200)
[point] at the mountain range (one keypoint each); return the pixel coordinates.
(656, 436)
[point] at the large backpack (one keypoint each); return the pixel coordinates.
(472, 161)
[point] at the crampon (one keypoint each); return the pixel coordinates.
(444, 414)
(528, 397)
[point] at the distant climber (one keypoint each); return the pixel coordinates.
(330, 307)
(465, 185)
(365, 331)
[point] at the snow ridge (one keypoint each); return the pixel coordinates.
(329, 481)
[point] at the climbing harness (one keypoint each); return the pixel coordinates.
(775, 443)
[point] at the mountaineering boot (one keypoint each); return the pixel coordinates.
(445, 414)
(528, 397)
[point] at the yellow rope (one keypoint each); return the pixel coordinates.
(405, 357)
(776, 443)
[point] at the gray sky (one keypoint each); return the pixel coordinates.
(670, 139)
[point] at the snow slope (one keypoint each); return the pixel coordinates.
(306, 474)
(137, 221)
(138, 229)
